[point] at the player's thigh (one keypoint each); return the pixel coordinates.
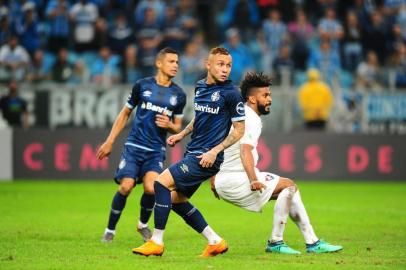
(282, 184)
(166, 179)
(126, 185)
(148, 181)
(128, 168)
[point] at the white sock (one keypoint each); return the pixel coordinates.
(107, 230)
(211, 236)
(158, 236)
(281, 212)
(142, 225)
(299, 215)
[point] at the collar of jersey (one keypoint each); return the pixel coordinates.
(154, 80)
(225, 83)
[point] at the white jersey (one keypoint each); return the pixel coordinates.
(253, 128)
(232, 183)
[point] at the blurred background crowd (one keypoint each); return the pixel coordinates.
(355, 46)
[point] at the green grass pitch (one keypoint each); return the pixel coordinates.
(58, 225)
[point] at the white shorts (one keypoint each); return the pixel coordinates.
(234, 187)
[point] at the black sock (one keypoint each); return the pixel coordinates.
(276, 243)
(147, 205)
(191, 215)
(312, 245)
(117, 207)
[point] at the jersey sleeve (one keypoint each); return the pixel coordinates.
(235, 106)
(178, 111)
(252, 133)
(134, 97)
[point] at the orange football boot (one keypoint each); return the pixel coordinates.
(213, 250)
(149, 248)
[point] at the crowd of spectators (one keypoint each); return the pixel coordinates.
(355, 44)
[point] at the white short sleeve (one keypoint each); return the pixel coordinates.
(253, 127)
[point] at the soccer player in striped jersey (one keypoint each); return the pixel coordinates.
(159, 103)
(218, 106)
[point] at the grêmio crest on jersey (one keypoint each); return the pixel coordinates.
(173, 100)
(152, 99)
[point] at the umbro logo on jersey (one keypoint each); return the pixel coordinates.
(215, 96)
(184, 168)
(156, 108)
(147, 93)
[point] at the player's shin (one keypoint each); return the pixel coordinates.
(281, 212)
(192, 216)
(161, 211)
(117, 206)
(299, 215)
(147, 206)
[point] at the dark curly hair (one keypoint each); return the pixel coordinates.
(251, 80)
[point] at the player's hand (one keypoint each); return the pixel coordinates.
(104, 150)
(163, 121)
(256, 185)
(173, 139)
(207, 159)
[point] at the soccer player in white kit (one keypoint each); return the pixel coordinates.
(239, 181)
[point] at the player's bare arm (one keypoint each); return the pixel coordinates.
(120, 122)
(172, 140)
(163, 121)
(247, 160)
(208, 158)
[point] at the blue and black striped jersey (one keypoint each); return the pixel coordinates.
(152, 99)
(216, 107)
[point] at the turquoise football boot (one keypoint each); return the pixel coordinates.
(280, 247)
(322, 247)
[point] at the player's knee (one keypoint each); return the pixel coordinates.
(149, 188)
(166, 180)
(158, 182)
(289, 183)
(158, 186)
(125, 189)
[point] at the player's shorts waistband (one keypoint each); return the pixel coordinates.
(140, 147)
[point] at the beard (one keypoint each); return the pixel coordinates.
(262, 109)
